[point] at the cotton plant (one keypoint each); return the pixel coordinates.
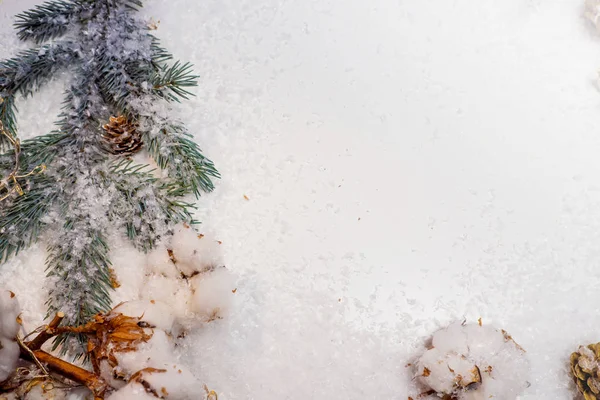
(473, 362)
(78, 185)
(131, 348)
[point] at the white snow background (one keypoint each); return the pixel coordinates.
(408, 163)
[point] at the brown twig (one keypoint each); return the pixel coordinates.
(93, 382)
(31, 351)
(47, 333)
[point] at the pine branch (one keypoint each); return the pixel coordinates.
(29, 69)
(145, 206)
(78, 262)
(8, 120)
(43, 149)
(46, 21)
(175, 152)
(21, 221)
(170, 82)
(159, 54)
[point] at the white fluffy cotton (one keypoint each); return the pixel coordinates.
(152, 367)
(9, 327)
(159, 262)
(474, 362)
(194, 252)
(174, 383)
(155, 313)
(592, 12)
(174, 292)
(213, 293)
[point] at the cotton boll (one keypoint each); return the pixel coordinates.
(173, 383)
(155, 313)
(159, 262)
(174, 292)
(9, 356)
(213, 293)
(452, 338)
(433, 371)
(156, 353)
(9, 327)
(592, 11)
(176, 383)
(127, 264)
(194, 252)
(132, 391)
(443, 372)
(9, 311)
(483, 340)
(473, 362)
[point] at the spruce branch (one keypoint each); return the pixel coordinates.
(80, 269)
(145, 206)
(46, 21)
(29, 69)
(21, 221)
(170, 82)
(174, 151)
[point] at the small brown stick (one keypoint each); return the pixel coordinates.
(47, 333)
(27, 353)
(93, 382)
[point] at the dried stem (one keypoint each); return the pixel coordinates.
(31, 351)
(47, 333)
(93, 382)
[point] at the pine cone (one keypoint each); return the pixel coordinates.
(585, 366)
(121, 136)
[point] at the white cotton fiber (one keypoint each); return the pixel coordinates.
(153, 312)
(9, 311)
(213, 293)
(132, 391)
(157, 352)
(9, 327)
(174, 292)
(194, 252)
(592, 11)
(473, 362)
(176, 383)
(159, 262)
(9, 355)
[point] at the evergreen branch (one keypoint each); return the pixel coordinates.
(145, 207)
(7, 119)
(21, 221)
(159, 54)
(29, 69)
(42, 149)
(170, 82)
(46, 21)
(183, 159)
(79, 262)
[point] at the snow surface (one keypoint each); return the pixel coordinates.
(407, 164)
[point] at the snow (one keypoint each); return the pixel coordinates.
(406, 164)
